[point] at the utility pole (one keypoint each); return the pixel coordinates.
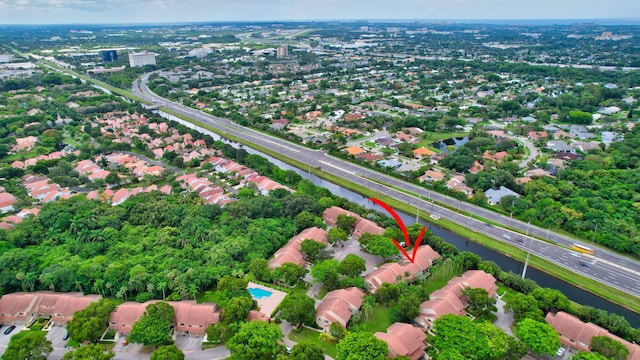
(526, 262)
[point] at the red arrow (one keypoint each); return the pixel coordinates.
(395, 215)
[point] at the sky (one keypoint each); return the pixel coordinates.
(155, 11)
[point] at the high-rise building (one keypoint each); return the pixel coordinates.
(283, 51)
(141, 59)
(109, 55)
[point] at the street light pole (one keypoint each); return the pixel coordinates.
(593, 238)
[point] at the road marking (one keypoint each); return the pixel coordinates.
(337, 167)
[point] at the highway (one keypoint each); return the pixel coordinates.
(606, 267)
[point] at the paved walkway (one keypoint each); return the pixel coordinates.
(505, 320)
(352, 246)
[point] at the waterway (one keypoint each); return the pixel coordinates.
(506, 263)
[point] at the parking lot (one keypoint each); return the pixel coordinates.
(131, 348)
(188, 343)
(55, 335)
(4, 339)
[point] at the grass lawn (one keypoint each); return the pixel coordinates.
(379, 320)
(311, 337)
(19, 156)
(370, 144)
(440, 276)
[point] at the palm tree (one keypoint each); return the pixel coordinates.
(368, 303)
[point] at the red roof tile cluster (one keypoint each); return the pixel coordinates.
(361, 226)
(290, 253)
(404, 340)
(206, 190)
(338, 306)
(21, 307)
(577, 334)
(41, 188)
(389, 272)
(449, 299)
(10, 221)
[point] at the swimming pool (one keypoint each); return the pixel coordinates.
(258, 293)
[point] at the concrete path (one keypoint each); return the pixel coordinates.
(504, 320)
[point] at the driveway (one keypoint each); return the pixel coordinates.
(533, 151)
(352, 246)
(504, 320)
(131, 348)
(188, 343)
(55, 335)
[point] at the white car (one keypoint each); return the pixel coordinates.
(560, 351)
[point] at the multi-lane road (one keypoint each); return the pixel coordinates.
(606, 267)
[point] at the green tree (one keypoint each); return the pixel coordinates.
(345, 222)
(89, 352)
(386, 293)
(378, 245)
(523, 306)
(361, 345)
(459, 333)
(582, 355)
(336, 235)
(298, 308)
(352, 265)
(609, 348)
(479, 301)
(292, 273)
(541, 337)
(236, 310)
(337, 331)
(169, 352)
(260, 268)
(153, 327)
(311, 248)
(306, 351)
(112, 178)
(450, 354)
(255, 340)
(580, 117)
(220, 333)
(497, 339)
(326, 272)
(550, 299)
(28, 345)
(89, 324)
(408, 308)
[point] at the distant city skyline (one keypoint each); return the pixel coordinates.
(158, 11)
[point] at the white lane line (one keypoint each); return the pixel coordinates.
(337, 167)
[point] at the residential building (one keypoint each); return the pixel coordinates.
(431, 176)
(392, 272)
(291, 252)
(6, 202)
(193, 318)
(450, 300)
(494, 196)
(22, 308)
(577, 334)
(338, 306)
(404, 340)
(457, 183)
(141, 59)
(361, 226)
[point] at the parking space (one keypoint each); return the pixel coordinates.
(4, 339)
(188, 343)
(352, 246)
(130, 348)
(56, 336)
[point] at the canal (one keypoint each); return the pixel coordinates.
(506, 263)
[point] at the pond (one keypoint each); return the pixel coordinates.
(450, 143)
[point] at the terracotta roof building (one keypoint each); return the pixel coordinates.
(21, 307)
(360, 227)
(389, 272)
(404, 340)
(291, 252)
(577, 334)
(449, 299)
(338, 306)
(192, 318)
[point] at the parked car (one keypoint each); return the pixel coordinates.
(9, 330)
(66, 336)
(560, 351)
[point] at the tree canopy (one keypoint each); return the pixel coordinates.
(255, 340)
(169, 352)
(361, 345)
(154, 325)
(89, 352)
(540, 336)
(89, 324)
(298, 308)
(28, 345)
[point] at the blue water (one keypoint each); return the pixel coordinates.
(258, 293)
